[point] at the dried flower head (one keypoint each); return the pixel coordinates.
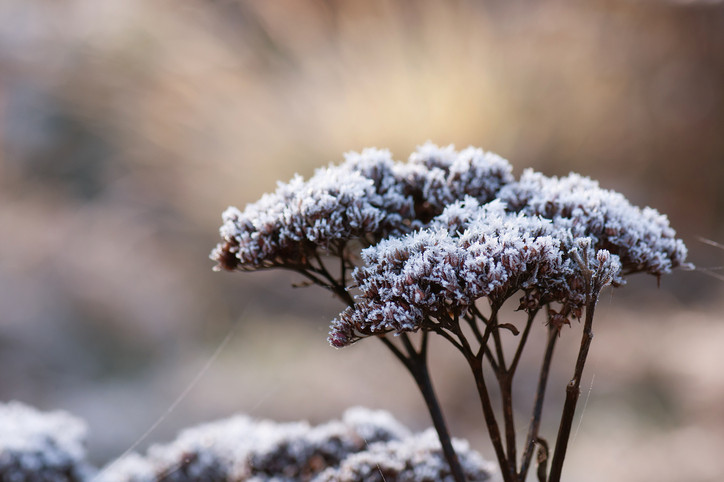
(642, 238)
(543, 236)
(417, 458)
(367, 197)
(469, 252)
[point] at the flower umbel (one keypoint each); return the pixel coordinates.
(437, 245)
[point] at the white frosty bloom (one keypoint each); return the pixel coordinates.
(368, 196)
(445, 229)
(42, 446)
(642, 238)
(241, 448)
(469, 252)
(415, 459)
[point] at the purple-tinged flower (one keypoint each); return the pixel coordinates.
(469, 252)
(367, 197)
(642, 238)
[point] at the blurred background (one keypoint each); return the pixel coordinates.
(127, 126)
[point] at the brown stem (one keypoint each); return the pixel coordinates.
(414, 361)
(523, 339)
(505, 381)
(482, 338)
(572, 392)
(475, 361)
(476, 365)
(497, 340)
(538, 404)
(416, 364)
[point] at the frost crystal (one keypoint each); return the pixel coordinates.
(243, 449)
(445, 229)
(367, 197)
(40, 446)
(642, 238)
(541, 236)
(415, 459)
(469, 252)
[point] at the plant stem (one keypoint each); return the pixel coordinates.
(538, 404)
(416, 364)
(414, 361)
(476, 366)
(475, 361)
(573, 391)
(505, 381)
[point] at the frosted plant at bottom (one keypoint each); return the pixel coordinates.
(442, 243)
(38, 446)
(49, 447)
(242, 449)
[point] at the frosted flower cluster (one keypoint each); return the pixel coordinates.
(367, 197)
(542, 236)
(642, 238)
(445, 229)
(415, 459)
(469, 252)
(246, 450)
(37, 446)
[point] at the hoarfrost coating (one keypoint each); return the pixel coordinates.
(443, 230)
(240, 448)
(38, 445)
(469, 252)
(367, 197)
(642, 238)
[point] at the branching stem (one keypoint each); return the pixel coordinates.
(414, 361)
(573, 391)
(538, 403)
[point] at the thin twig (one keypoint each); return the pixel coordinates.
(523, 339)
(573, 391)
(441, 331)
(493, 321)
(538, 404)
(475, 361)
(471, 318)
(419, 370)
(492, 424)
(505, 382)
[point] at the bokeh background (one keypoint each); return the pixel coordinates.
(127, 126)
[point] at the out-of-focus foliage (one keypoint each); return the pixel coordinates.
(126, 126)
